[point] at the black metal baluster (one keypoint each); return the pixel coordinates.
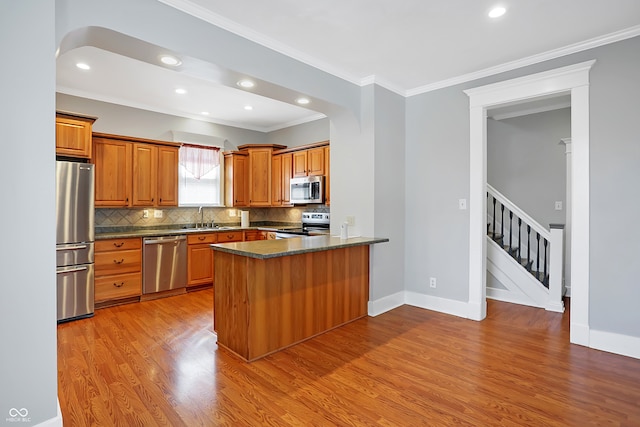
(538, 258)
(501, 224)
(510, 232)
(544, 278)
(528, 248)
(494, 219)
(519, 241)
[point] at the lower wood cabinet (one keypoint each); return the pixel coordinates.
(252, 235)
(200, 259)
(118, 270)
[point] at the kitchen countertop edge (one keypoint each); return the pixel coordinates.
(180, 231)
(265, 249)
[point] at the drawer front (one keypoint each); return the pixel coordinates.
(116, 262)
(193, 239)
(118, 244)
(230, 236)
(118, 286)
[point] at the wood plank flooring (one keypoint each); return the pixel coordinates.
(157, 363)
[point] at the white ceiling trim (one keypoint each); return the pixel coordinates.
(248, 33)
(530, 60)
(156, 109)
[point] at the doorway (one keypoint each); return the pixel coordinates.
(574, 81)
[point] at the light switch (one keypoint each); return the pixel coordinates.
(157, 213)
(462, 204)
(559, 206)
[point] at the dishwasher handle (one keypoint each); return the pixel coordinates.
(164, 240)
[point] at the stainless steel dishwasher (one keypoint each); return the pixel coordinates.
(164, 263)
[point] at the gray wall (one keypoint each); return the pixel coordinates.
(438, 170)
(28, 371)
(389, 182)
(306, 133)
(527, 163)
(121, 120)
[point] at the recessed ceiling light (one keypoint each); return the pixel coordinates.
(303, 101)
(205, 113)
(497, 12)
(170, 60)
(83, 66)
(248, 107)
(246, 84)
(181, 91)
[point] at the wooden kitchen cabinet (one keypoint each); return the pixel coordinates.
(118, 270)
(308, 162)
(236, 191)
(155, 175)
(113, 167)
(230, 236)
(260, 176)
(135, 172)
(281, 173)
(327, 175)
(73, 135)
(253, 235)
(200, 259)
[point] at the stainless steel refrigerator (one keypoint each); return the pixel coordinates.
(74, 239)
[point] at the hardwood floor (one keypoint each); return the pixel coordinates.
(157, 363)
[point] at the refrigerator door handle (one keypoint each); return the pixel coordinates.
(71, 248)
(72, 270)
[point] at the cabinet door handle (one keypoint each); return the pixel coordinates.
(118, 245)
(118, 285)
(118, 262)
(201, 238)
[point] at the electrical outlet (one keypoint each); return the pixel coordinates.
(145, 213)
(559, 206)
(157, 213)
(432, 282)
(351, 220)
(232, 212)
(462, 205)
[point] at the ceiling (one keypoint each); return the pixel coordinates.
(410, 47)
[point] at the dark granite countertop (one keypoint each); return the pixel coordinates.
(264, 249)
(178, 229)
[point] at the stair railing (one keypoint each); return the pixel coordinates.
(547, 268)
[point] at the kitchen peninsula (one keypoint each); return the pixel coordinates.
(269, 295)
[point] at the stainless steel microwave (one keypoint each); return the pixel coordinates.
(307, 189)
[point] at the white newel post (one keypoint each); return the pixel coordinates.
(556, 264)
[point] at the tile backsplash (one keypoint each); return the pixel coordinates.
(226, 216)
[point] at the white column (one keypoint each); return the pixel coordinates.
(567, 227)
(555, 302)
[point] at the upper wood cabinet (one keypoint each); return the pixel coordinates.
(73, 135)
(327, 175)
(236, 169)
(281, 173)
(135, 172)
(113, 167)
(308, 162)
(260, 176)
(155, 175)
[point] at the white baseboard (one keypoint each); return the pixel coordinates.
(579, 334)
(385, 304)
(442, 305)
(625, 345)
(505, 295)
(53, 422)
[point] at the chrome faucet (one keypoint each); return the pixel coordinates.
(201, 212)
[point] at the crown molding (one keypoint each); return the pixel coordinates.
(530, 60)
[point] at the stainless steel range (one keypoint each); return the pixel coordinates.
(312, 223)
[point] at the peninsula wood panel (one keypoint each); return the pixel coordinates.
(266, 305)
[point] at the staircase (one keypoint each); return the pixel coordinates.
(524, 258)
